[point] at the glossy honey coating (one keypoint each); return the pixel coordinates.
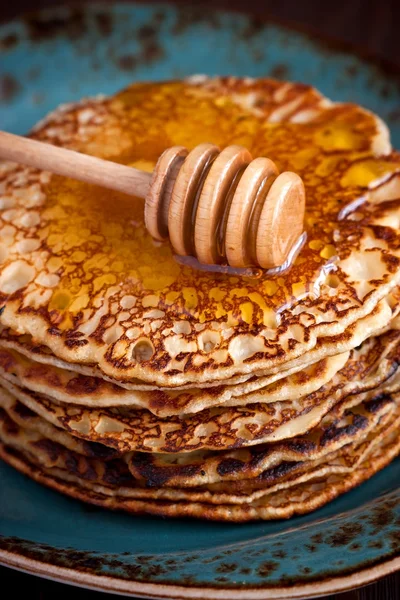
(81, 274)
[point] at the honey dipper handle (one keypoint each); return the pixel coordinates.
(73, 164)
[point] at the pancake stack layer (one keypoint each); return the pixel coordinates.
(134, 382)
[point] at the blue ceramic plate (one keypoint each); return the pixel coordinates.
(61, 56)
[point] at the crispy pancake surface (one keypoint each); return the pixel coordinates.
(373, 365)
(81, 275)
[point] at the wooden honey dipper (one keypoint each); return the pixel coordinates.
(220, 207)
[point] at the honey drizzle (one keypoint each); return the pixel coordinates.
(251, 272)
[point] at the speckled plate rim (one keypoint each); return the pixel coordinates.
(162, 591)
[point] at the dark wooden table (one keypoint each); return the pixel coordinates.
(369, 25)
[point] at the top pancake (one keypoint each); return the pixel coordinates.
(82, 276)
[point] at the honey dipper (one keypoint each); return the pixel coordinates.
(218, 206)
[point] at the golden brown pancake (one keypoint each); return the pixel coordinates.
(64, 385)
(67, 386)
(81, 275)
(293, 492)
(348, 423)
(373, 365)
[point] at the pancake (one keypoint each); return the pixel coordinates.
(353, 418)
(377, 321)
(223, 427)
(297, 493)
(64, 385)
(82, 276)
(69, 387)
(348, 423)
(73, 467)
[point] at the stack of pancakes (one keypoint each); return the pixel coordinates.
(134, 382)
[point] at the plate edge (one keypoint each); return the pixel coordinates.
(172, 592)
